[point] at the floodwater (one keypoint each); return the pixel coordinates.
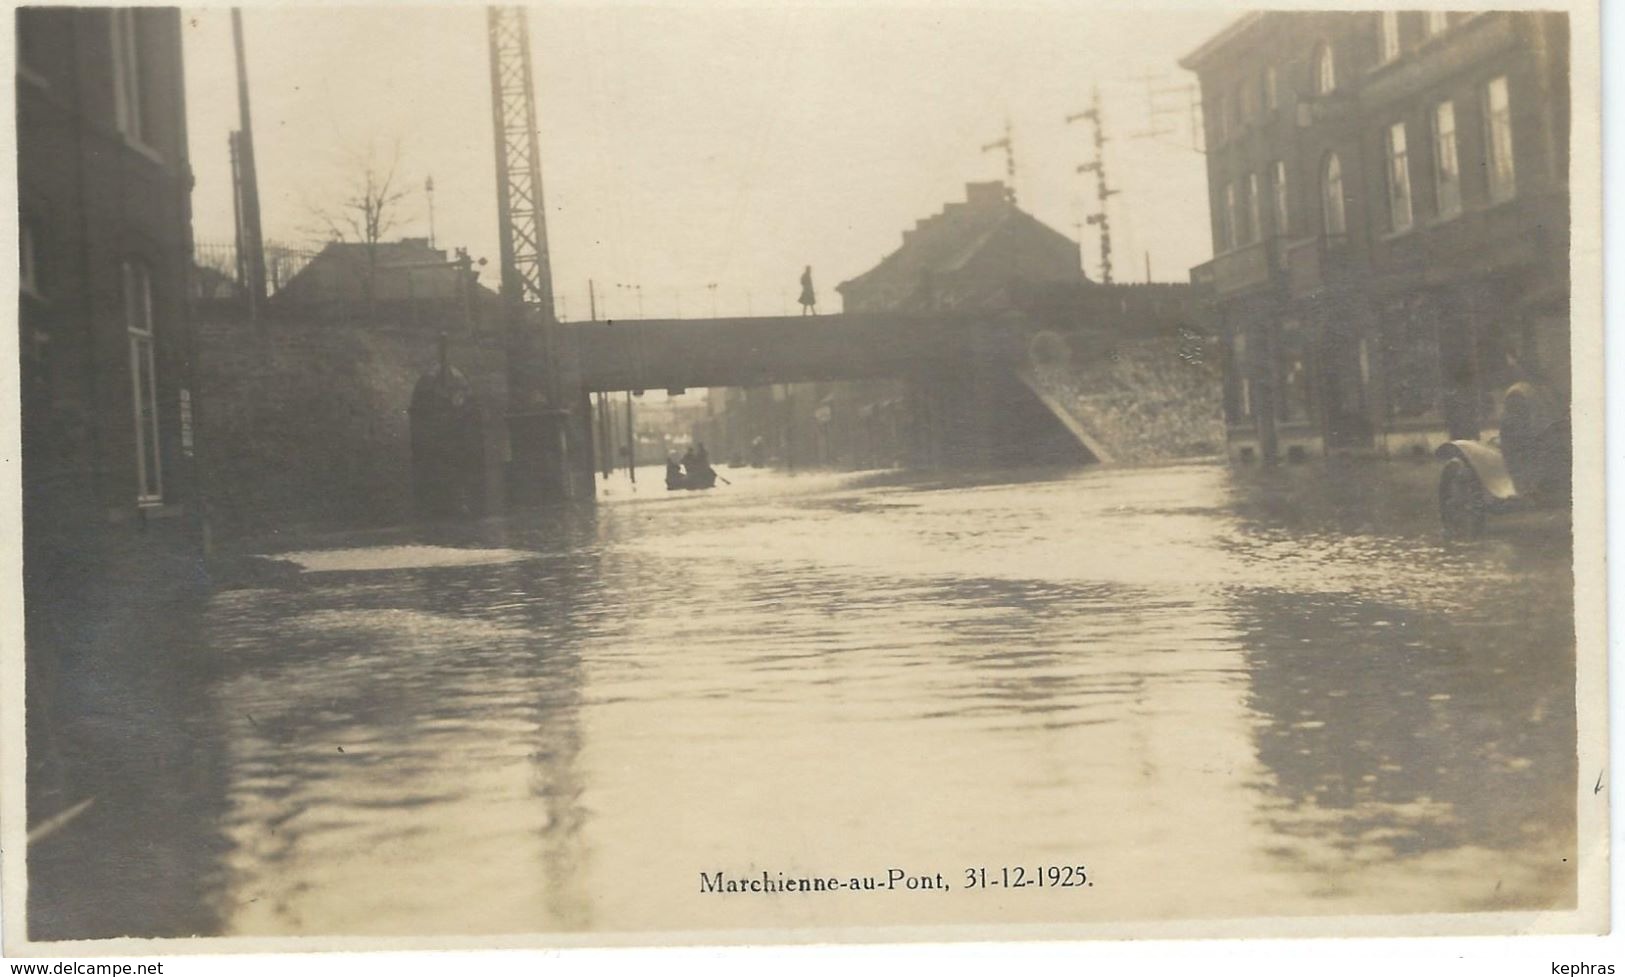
(1224, 693)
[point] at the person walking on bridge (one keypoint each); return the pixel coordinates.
(809, 299)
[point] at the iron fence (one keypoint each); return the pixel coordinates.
(219, 274)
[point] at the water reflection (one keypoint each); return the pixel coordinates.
(549, 724)
(394, 723)
(1412, 736)
(136, 736)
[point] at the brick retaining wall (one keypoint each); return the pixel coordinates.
(304, 422)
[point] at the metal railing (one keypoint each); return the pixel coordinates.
(219, 275)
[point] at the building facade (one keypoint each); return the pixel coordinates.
(113, 535)
(1388, 197)
(104, 190)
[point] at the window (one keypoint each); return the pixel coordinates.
(1296, 403)
(1437, 22)
(1498, 140)
(1389, 30)
(1227, 218)
(27, 269)
(1331, 198)
(1446, 171)
(1255, 226)
(1325, 70)
(1278, 197)
(1272, 98)
(143, 382)
(127, 75)
(1399, 179)
(1242, 371)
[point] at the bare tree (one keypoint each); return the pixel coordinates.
(367, 207)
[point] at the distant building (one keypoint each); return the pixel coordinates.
(105, 243)
(400, 273)
(1388, 194)
(972, 256)
(982, 254)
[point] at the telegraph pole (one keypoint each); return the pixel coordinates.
(250, 239)
(428, 191)
(1152, 112)
(1008, 144)
(1097, 166)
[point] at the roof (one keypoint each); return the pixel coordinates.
(1241, 25)
(404, 270)
(940, 250)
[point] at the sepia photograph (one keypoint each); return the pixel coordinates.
(598, 474)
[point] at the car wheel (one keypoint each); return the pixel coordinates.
(1461, 501)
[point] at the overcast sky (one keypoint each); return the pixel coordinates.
(698, 144)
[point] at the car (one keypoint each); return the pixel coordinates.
(1527, 466)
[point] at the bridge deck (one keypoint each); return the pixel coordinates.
(653, 354)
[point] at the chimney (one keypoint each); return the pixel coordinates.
(980, 196)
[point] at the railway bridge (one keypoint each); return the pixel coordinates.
(972, 378)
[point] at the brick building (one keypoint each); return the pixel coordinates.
(389, 274)
(112, 520)
(104, 192)
(982, 254)
(1389, 203)
(971, 256)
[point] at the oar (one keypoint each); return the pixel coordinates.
(723, 480)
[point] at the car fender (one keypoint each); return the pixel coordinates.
(1487, 463)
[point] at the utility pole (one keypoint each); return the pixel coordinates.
(606, 435)
(250, 239)
(428, 190)
(1008, 144)
(631, 443)
(539, 415)
(1151, 109)
(602, 410)
(637, 294)
(1193, 96)
(1097, 166)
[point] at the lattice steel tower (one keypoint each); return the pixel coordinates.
(527, 276)
(542, 430)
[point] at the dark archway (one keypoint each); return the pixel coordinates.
(448, 446)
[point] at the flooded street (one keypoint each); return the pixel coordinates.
(1224, 692)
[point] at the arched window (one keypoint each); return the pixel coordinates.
(1271, 97)
(1331, 198)
(1325, 70)
(138, 325)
